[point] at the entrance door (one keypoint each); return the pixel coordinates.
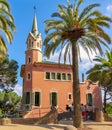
(53, 99)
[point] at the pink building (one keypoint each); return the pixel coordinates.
(47, 84)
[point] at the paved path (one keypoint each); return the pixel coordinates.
(99, 125)
(90, 125)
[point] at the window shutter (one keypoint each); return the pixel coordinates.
(50, 99)
(87, 99)
(33, 98)
(24, 98)
(56, 99)
(39, 98)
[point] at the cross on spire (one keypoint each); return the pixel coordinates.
(34, 9)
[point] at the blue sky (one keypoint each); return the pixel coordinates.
(23, 13)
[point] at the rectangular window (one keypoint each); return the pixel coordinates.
(69, 76)
(63, 76)
(27, 98)
(89, 99)
(58, 76)
(52, 75)
(47, 75)
(37, 98)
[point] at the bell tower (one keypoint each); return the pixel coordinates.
(34, 44)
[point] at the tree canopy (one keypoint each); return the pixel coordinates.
(9, 103)
(102, 72)
(8, 74)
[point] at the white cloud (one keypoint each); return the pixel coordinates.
(18, 89)
(109, 10)
(85, 65)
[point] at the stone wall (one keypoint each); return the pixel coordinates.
(51, 117)
(107, 118)
(99, 115)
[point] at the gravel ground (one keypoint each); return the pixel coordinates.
(87, 126)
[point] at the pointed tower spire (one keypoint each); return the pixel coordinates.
(34, 26)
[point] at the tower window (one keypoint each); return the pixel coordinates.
(29, 60)
(29, 76)
(37, 44)
(32, 44)
(29, 42)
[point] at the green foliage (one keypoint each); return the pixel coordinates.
(109, 109)
(102, 72)
(9, 102)
(7, 26)
(1, 115)
(8, 74)
(86, 27)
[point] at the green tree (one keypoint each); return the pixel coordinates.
(8, 74)
(9, 102)
(72, 28)
(7, 26)
(102, 72)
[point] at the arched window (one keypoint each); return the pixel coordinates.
(28, 76)
(29, 60)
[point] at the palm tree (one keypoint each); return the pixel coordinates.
(71, 29)
(102, 72)
(7, 26)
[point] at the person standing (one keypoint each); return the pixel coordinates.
(83, 111)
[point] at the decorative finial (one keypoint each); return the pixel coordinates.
(34, 9)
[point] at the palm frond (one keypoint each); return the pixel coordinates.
(86, 10)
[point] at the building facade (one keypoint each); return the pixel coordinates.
(47, 84)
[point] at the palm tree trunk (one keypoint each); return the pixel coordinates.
(105, 103)
(76, 90)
